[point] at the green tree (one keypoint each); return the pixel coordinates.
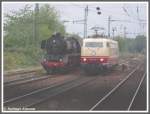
(122, 44)
(19, 27)
(132, 45)
(140, 43)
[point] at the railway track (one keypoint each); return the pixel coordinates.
(13, 78)
(34, 98)
(85, 96)
(26, 77)
(138, 103)
(41, 95)
(21, 71)
(25, 80)
(121, 97)
(137, 90)
(23, 87)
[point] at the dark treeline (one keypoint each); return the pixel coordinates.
(132, 45)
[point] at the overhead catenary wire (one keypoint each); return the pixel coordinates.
(92, 10)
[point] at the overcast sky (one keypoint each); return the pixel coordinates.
(118, 11)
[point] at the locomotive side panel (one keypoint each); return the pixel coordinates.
(113, 52)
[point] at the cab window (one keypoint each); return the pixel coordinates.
(94, 44)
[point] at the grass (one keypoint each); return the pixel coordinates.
(28, 57)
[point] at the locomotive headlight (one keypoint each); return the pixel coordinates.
(84, 59)
(101, 59)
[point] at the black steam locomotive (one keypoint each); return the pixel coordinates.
(61, 53)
